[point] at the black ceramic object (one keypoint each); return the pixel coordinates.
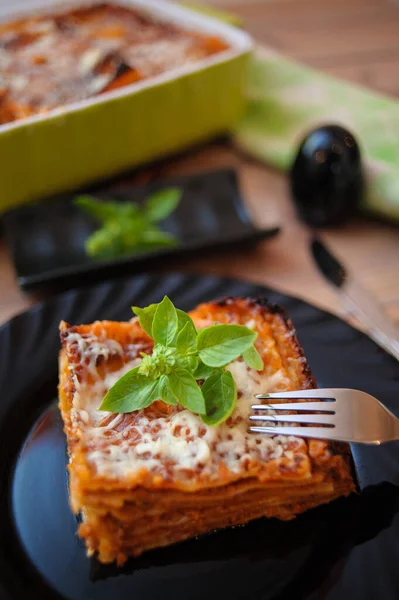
(326, 177)
(347, 549)
(46, 240)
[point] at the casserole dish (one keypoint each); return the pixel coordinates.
(98, 137)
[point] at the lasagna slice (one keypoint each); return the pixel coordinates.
(153, 477)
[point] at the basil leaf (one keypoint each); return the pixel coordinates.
(188, 362)
(218, 345)
(127, 229)
(161, 204)
(130, 216)
(183, 385)
(164, 325)
(132, 226)
(220, 395)
(253, 358)
(183, 318)
(166, 395)
(98, 209)
(131, 392)
(107, 211)
(104, 243)
(155, 238)
(146, 247)
(203, 371)
(187, 339)
(146, 316)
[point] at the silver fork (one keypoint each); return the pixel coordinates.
(338, 414)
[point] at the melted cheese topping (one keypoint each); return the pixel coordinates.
(176, 443)
(52, 60)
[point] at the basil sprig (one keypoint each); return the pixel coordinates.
(127, 227)
(181, 357)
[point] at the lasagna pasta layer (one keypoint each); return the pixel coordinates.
(159, 475)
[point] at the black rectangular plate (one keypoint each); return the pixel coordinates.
(46, 239)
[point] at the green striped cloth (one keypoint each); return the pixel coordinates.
(286, 99)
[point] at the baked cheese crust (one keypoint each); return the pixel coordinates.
(48, 61)
(160, 475)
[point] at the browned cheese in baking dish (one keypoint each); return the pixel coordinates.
(49, 61)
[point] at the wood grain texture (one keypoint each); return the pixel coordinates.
(354, 39)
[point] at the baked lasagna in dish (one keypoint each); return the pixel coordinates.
(159, 475)
(49, 61)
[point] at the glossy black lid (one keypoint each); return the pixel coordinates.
(326, 177)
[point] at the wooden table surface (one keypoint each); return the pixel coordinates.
(354, 39)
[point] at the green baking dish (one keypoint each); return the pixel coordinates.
(97, 138)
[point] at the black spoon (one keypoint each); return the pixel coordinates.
(326, 177)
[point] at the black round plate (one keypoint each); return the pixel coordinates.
(348, 549)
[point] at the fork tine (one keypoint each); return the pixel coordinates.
(316, 406)
(322, 419)
(351, 416)
(327, 393)
(312, 432)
